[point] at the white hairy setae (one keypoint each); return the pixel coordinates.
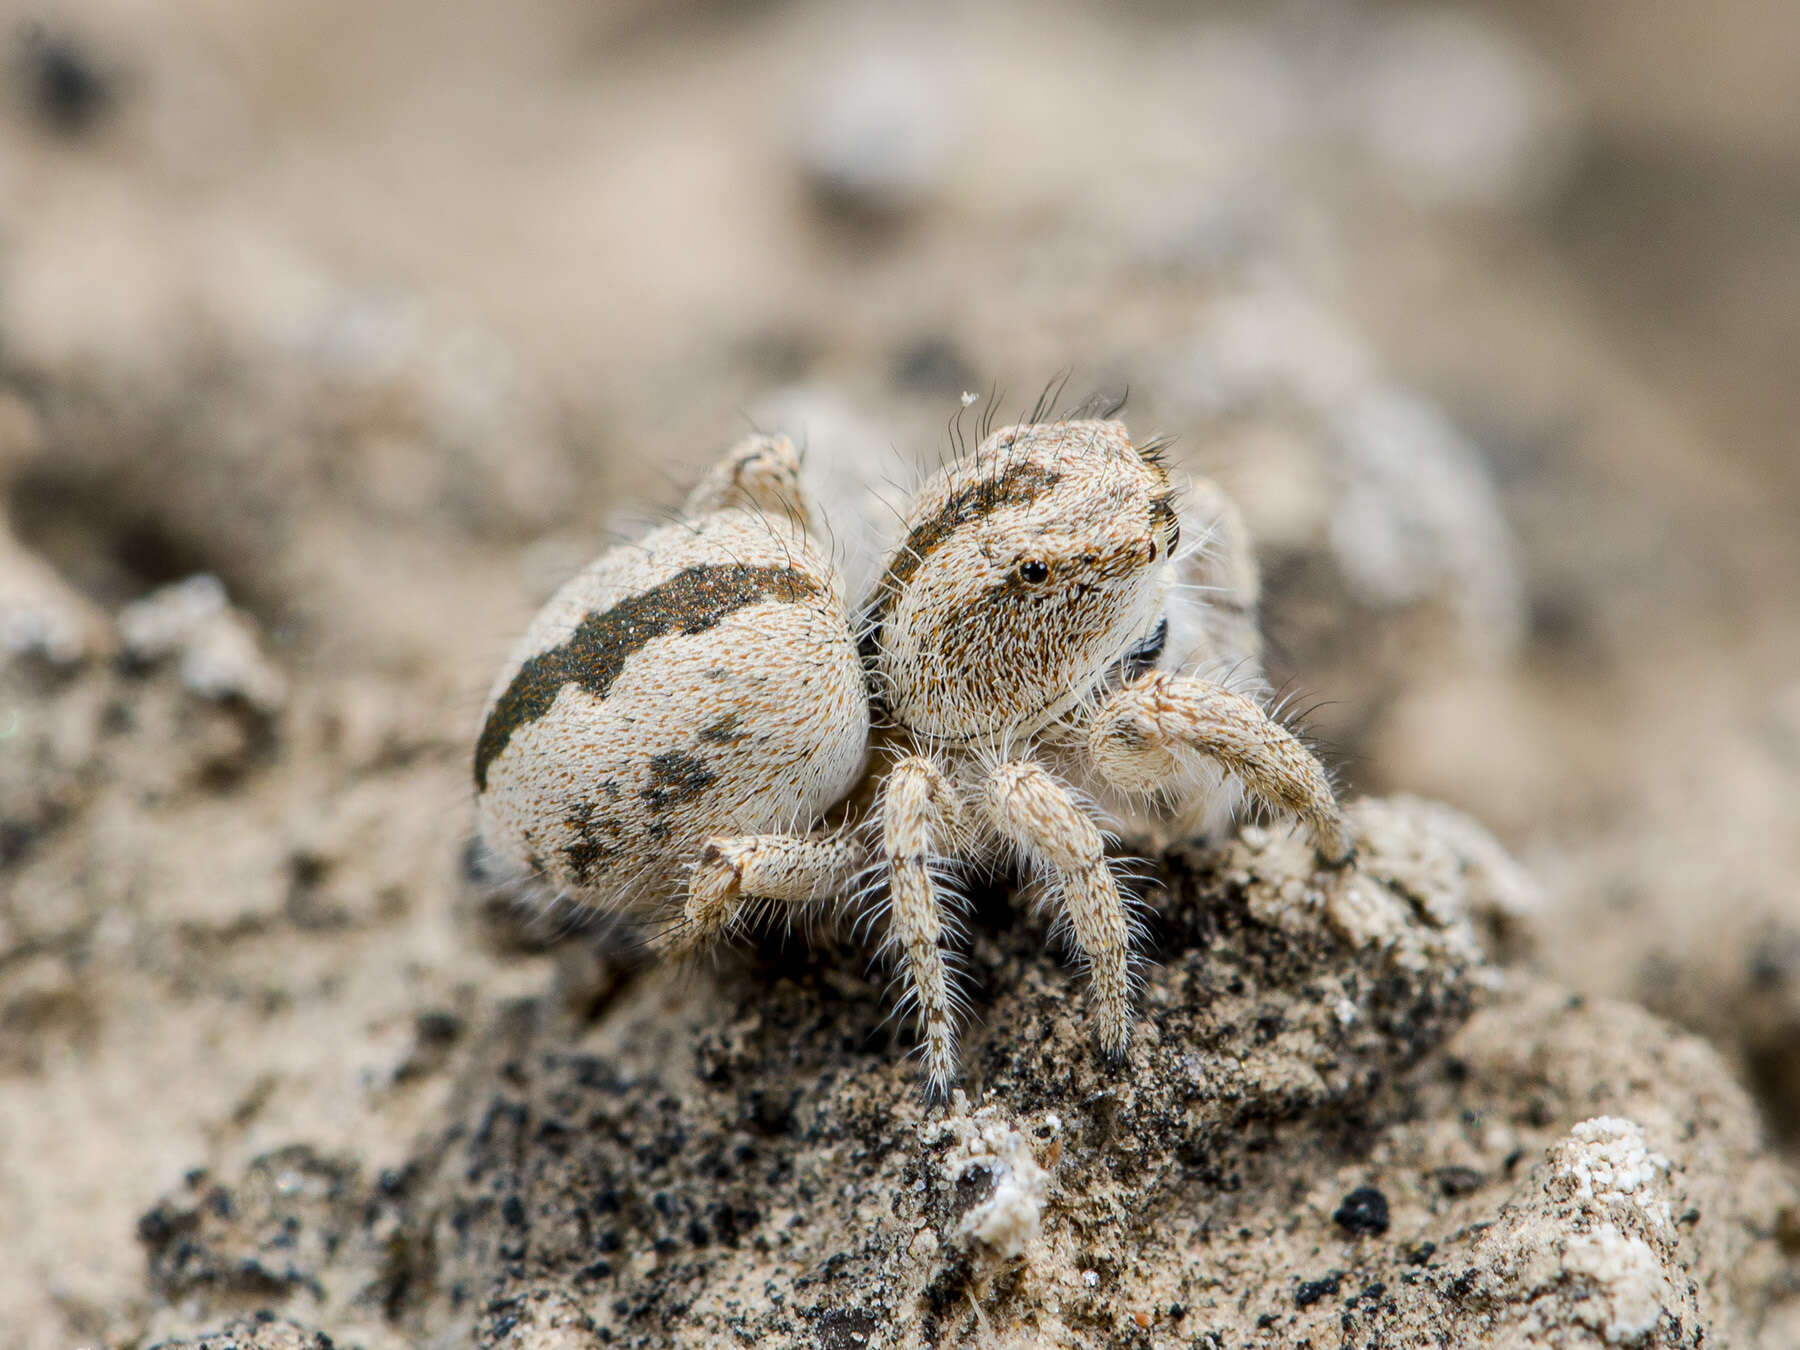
(1058, 640)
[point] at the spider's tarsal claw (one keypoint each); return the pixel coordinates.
(1332, 842)
(1113, 1035)
(940, 1068)
(934, 1092)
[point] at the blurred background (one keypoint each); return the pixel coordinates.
(332, 336)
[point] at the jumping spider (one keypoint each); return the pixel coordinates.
(684, 733)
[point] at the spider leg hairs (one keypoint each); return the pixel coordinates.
(1058, 644)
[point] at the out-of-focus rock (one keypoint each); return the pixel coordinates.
(215, 646)
(60, 79)
(178, 862)
(304, 439)
(1456, 112)
(877, 134)
(1415, 517)
(1387, 557)
(42, 615)
(21, 435)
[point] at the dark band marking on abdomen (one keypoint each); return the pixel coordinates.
(691, 601)
(676, 777)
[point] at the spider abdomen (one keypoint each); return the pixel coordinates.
(701, 682)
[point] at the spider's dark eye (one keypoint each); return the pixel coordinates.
(1031, 571)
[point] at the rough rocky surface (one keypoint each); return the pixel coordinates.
(1314, 1137)
(331, 342)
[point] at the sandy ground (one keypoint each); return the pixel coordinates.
(388, 320)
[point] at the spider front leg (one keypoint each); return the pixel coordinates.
(917, 803)
(1038, 816)
(790, 869)
(1157, 731)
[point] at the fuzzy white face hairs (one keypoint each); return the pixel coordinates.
(1060, 641)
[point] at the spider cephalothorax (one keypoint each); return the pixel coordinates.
(683, 717)
(1026, 568)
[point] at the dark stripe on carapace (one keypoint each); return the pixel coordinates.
(1017, 485)
(691, 601)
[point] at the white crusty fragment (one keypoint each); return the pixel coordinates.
(1009, 1220)
(1629, 1285)
(1593, 1243)
(1609, 1186)
(1606, 1165)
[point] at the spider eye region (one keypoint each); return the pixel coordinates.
(1034, 571)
